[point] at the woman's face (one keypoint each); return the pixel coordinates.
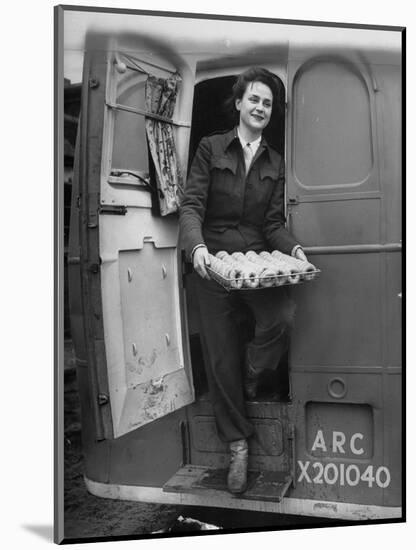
(255, 106)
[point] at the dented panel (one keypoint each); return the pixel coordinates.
(144, 347)
(154, 398)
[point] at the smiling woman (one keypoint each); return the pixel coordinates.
(234, 202)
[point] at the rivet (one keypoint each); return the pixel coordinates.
(121, 67)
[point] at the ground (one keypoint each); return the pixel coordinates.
(84, 514)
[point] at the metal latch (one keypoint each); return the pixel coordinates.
(116, 209)
(135, 178)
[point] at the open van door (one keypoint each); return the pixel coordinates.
(138, 363)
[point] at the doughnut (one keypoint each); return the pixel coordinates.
(251, 273)
(286, 273)
(306, 269)
(293, 267)
(221, 254)
(268, 275)
(236, 277)
(219, 266)
(235, 272)
(238, 257)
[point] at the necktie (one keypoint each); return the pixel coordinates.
(248, 156)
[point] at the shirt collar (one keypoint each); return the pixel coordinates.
(232, 136)
(254, 144)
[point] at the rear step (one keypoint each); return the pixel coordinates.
(266, 485)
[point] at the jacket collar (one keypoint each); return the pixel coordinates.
(232, 136)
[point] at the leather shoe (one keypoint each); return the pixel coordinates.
(237, 473)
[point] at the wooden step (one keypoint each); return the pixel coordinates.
(265, 485)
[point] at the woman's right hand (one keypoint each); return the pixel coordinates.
(200, 260)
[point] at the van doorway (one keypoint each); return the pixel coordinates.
(210, 116)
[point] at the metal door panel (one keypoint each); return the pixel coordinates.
(338, 318)
(327, 221)
(141, 373)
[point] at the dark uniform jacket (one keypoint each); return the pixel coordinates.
(228, 210)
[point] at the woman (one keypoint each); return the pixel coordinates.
(234, 201)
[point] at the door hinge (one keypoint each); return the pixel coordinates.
(103, 399)
(94, 268)
(185, 439)
(293, 200)
(292, 442)
(186, 266)
(92, 219)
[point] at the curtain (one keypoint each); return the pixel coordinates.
(161, 97)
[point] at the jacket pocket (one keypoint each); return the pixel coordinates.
(223, 163)
(268, 172)
(210, 229)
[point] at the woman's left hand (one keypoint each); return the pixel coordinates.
(300, 255)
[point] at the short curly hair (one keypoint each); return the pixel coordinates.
(253, 74)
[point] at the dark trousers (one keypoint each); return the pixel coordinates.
(223, 350)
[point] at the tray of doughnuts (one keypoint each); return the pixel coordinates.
(259, 270)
